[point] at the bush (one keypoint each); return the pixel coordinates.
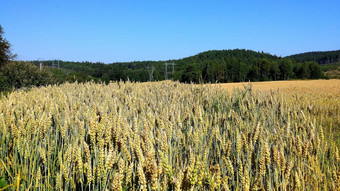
(16, 75)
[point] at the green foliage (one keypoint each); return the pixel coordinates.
(236, 65)
(3, 182)
(191, 74)
(321, 57)
(315, 70)
(286, 68)
(305, 70)
(328, 67)
(22, 74)
(80, 77)
(331, 70)
(5, 52)
(274, 71)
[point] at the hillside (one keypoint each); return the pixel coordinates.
(242, 54)
(236, 65)
(321, 57)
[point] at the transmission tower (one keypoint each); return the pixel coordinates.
(166, 71)
(150, 71)
(173, 68)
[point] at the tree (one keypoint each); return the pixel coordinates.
(274, 71)
(298, 70)
(305, 71)
(22, 74)
(254, 73)
(286, 68)
(264, 66)
(243, 72)
(315, 70)
(5, 52)
(191, 74)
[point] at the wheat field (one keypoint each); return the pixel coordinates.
(321, 97)
(166, 136)
(314, 87)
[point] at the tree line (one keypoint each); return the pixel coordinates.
(236, 65)
(246, 65)
(321, 57)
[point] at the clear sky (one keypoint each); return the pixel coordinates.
(135, 30)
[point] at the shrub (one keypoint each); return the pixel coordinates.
(16, 75)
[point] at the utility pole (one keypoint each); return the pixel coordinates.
(150, 71)
(40, 63)
(166, 71)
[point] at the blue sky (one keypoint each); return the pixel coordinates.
(126, 30)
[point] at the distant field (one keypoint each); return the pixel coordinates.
(320, 97)
(313, 87)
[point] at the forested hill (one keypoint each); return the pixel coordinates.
(321, 57)
(236, 65)
(226, 66)
(241, 54)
